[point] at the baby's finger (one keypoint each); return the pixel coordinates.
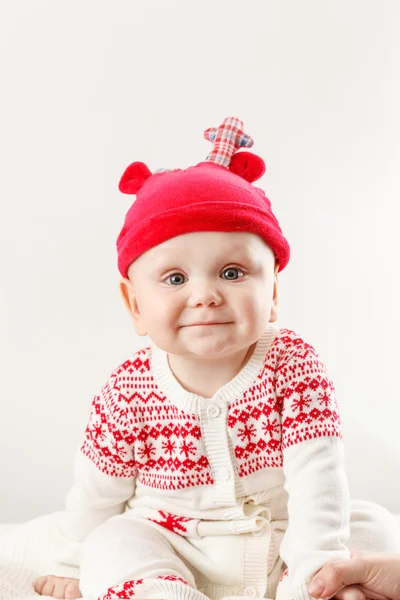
(350, 592)
(357, 553)
(372, 595)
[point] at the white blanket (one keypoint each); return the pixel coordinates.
(25, 553)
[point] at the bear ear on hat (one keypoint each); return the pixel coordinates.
(134, 177)
(247, 165)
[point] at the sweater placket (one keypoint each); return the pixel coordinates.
(213, 417)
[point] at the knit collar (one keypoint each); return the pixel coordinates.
(192, 403)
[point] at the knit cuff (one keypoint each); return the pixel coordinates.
(301, 592)
(241, 598)
(155, 589)
(175, 591)
(292, 590)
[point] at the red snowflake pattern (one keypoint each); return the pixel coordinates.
(187, 448)
(271, 427)
(172, 522)
(325, 399)
(247, 432)
(123, 591)
(301, 403)
(146, 451)
(172, 578)
(169, 447)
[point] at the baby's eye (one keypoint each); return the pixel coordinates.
(232, 273)
(176, 279)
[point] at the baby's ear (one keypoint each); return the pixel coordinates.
(247, 165)
(134, 177)
(130, 300)
(124, 288)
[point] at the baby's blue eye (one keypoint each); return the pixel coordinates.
(232, 273)
(176, 279)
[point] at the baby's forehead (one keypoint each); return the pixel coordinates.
(206, 247)
(209, 249)
(220, 241)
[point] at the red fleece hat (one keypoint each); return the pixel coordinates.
(215, 195)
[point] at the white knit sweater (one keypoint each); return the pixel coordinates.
(264, 452)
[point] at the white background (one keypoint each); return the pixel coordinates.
(89, 86)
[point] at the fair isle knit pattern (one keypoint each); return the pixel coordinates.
(135, 430)
(200, 476)
(128, 589)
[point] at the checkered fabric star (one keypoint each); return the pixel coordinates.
(227, 138)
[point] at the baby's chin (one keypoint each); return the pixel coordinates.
(209, 349)
(203, 342)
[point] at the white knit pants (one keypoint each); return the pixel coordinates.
(140, 559)
(128, 557)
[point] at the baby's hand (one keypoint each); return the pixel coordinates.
(58, 587)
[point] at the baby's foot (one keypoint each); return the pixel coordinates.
(58, 587)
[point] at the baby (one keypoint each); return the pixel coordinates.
(212, 465)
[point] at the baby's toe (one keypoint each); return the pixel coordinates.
(39, 583)
(47, 585)
(72, 590)
(59, 588)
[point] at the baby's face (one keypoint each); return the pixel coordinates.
(205, 294)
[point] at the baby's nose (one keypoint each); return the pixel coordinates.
(205, 294)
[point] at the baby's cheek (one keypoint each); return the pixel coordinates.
(253, 302)
(256, 309)
(162, 317)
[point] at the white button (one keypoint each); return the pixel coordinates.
(224, 474)
(250, 591)
(213, 411)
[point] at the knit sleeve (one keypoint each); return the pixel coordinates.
(109, 440)
(104, 472)
(314, 469)
(305, 396)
